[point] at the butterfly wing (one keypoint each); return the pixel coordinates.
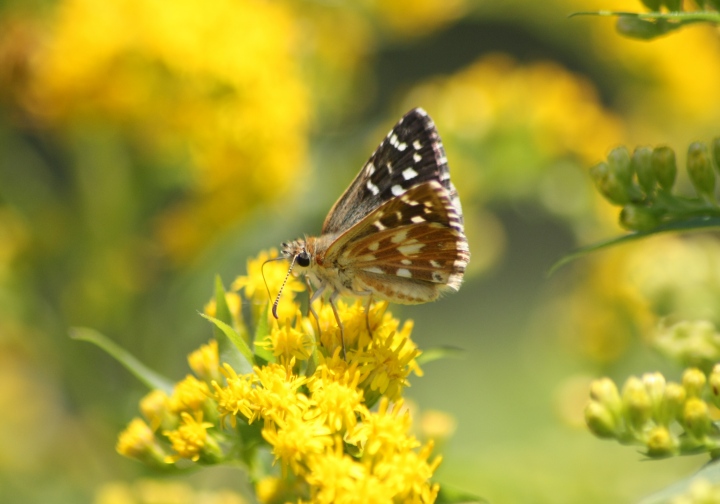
(408, 250)
(411, 154)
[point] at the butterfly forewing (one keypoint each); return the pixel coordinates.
(409, 155)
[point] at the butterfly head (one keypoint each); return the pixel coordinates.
(297, 252)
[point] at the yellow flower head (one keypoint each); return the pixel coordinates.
(155, 406)
(190, 439)
(205, 361)
(236, 397)
(278, 395)
(288, 342)
(335, 398)
(294, 439)
(384, 432)
(138, 441)
(189, 394)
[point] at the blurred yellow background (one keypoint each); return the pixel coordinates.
(147, 145)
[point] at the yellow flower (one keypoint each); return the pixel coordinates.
(384, 432)
(205, 361)
(408, 473)
(155, 406)
(335, 399)
(256, 285)
(278, 396)
(294, 439)
(236, 397)
(138, 441)
(190, 439)
(189, 394)
(288, 342)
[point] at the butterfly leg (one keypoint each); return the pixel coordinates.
(333, 297)
(312, 299)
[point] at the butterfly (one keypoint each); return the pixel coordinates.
(396, 233)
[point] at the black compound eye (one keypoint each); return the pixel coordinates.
(303, 259)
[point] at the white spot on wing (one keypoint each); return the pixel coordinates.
(369, 169)
(374, 269)
(397, 190)
(399, 237)
(374, 246)
(402, 272)
(409, 173)
(412, 249)
(401, 146)
(372, 188)
(417, 219)
(417, 157)
(406, 262)
(417, 145)
(379, 225)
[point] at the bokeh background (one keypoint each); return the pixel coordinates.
(146, 146)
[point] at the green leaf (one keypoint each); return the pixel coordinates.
(440, 352)
(648, 25)
(232, 348)
(709, 473)
(262, 330)
(691, 224)
(453, 496)
(241, 358)
(150, 378)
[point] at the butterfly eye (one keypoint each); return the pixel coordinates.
(303, 259)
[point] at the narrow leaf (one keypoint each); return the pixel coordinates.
(440, 352)
(262, 330)
(692, 224)
(150, 378)
(240, 361)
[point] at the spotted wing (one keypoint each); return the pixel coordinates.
(411, 154)
(416, 237)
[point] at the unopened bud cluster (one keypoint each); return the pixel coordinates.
(642, 184)
(665, 418)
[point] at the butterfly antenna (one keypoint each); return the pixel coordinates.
(277, 299)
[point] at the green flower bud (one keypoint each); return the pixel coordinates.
(673, 403)
(700, 169)
(696, 417)
(653, 5)
(715, 146)
(673, 5)
(608, 184)
(714, 382)
(600, 420)
(642, 165)
(636, 401)
(619, 163)
(661, 443)
(694, 382)
(639, 218)
(664, 166)
(655, 386)
(606, 393)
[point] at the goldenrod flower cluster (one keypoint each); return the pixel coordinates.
(299, 400)
(642, 184)
(666, 418)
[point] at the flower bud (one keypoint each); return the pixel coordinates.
(700, 169)
(637, 402)
(694, 382)
(714, 382)
(664, 166)
(600, 420)
(655, 386)
(661, 443)
(619, 164)
(696, 417)
(715, 147)
(673, 403)
(639, 218)
(608, 183)
(641, 163)
(606, 393)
